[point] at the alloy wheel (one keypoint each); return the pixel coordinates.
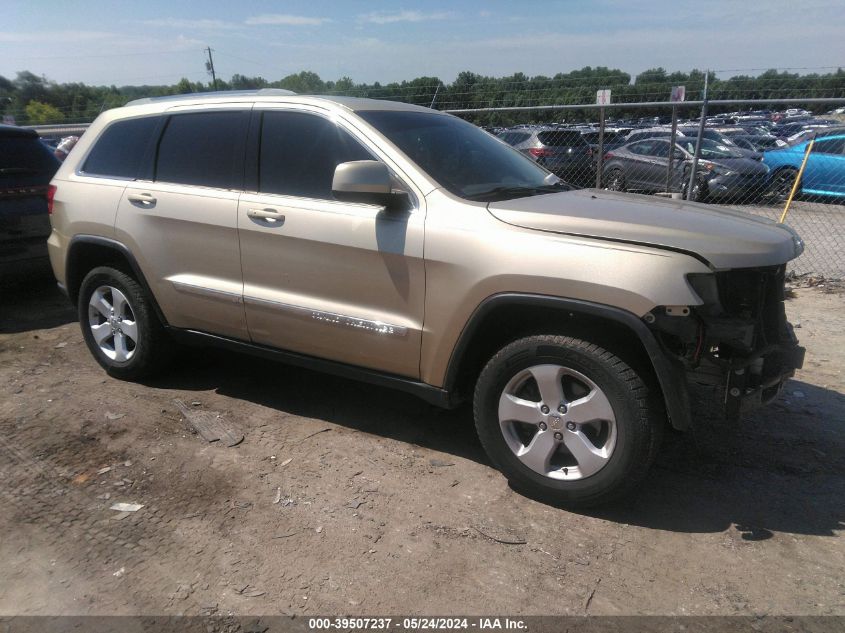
(112, 322)
(557, 422)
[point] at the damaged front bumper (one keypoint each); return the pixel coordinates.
(758, 379)
(738, 341)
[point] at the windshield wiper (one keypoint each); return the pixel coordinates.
(512, 191)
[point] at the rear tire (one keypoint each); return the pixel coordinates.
(566, 421)
(120, 326)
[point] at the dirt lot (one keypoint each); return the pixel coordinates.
(386, 505)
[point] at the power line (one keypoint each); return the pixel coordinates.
(99, 55)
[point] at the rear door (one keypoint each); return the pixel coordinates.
(641, 165)
(341, 281)
(658, 164)
(180, 219)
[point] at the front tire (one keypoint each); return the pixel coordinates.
(120, 326)
(699, 191)
(782, 184)
(566, 421)
(615, 180)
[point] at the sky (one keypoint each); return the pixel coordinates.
(160, 41)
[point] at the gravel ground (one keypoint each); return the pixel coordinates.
(346, 498)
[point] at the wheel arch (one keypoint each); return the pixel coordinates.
(86, 252)
(506, 317)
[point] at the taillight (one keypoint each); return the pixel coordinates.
(51, 193)
(608, 156)
(539, 152)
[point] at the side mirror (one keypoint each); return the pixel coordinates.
(366, 182)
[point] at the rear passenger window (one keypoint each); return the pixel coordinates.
(299, 153)
(203, 148)
(643, 148)
(120, 149)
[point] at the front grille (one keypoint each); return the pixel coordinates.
(756, 294)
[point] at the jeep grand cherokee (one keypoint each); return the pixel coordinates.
(406, 247)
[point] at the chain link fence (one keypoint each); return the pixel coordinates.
(767, 157)
(785, 164)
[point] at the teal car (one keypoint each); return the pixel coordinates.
(824, 175)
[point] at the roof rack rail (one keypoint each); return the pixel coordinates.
(261, 92)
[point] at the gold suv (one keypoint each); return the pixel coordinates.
(405, 247)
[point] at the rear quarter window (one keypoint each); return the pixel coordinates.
(565, 139)
(119, 151)
(514, 138)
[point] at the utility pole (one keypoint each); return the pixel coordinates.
(693, 175)
(209, 66)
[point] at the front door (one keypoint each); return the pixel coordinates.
(825, 171)
(336, 280)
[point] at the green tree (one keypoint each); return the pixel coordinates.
(38, 113)
(304, 82)
(242, 82)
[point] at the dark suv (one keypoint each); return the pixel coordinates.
(565, 153)
(26, 167)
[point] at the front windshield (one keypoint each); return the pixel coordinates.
(461, 157)
(710, 149)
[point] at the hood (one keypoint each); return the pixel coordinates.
(745, 166)
(723, 237)
(748, 154)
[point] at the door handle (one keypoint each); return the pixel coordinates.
(271, 215)
(143, 200)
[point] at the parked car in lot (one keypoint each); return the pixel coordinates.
(758, 142)
(788, 129)
(611, 139)
(717, 136)
(405, 247)
(26, 167)
(722, 171)
(565, 153)
(824, 175)
(651, 132)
